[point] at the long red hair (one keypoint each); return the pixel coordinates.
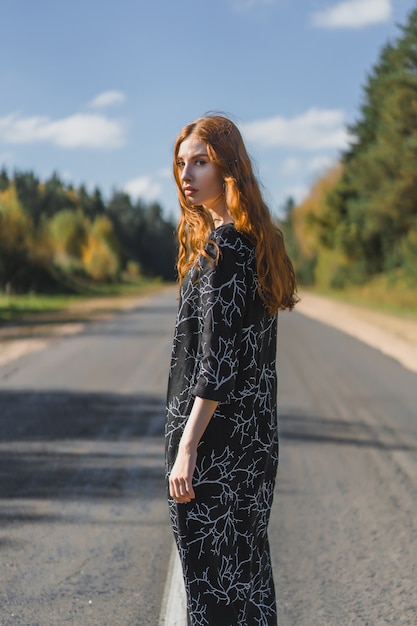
(251, 216)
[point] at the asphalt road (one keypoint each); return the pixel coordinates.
(84, 532)
(344, 523)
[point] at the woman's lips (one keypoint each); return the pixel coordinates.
(190, 191)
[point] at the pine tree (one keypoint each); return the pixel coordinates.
(374, 207)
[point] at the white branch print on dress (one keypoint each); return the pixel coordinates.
(224, 349)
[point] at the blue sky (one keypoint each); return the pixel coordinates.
(98, 91)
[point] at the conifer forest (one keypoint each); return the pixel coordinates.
(359, 221)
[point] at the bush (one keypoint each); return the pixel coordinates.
(409, 254)
(68, 231)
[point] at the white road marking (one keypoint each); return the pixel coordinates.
(173, 610)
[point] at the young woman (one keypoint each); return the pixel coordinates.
(221, 430)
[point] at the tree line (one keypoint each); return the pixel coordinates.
(360, 219)
(55, 237)
(358, 222)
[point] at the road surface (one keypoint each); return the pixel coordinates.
(84, 531)
(344, 518)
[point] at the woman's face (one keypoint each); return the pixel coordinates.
(201, 179)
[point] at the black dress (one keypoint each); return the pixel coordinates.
(224, 349)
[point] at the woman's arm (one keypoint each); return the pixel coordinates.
(180, 479)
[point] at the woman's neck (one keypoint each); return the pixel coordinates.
(220, 219)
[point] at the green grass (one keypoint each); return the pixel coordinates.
(13, 307)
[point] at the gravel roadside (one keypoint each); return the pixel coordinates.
(393, 335)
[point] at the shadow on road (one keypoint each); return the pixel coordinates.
(315, 429)
(71, 445)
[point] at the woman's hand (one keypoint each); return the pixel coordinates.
(181, 477)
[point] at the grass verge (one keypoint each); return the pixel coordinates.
(15, 307)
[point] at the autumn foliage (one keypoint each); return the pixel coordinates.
(54, 237)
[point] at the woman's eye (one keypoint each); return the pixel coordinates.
(200, 162)
(180, 164)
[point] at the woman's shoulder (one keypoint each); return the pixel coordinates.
(227, 252)
(226, 236)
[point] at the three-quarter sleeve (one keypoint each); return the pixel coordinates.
(223, 296)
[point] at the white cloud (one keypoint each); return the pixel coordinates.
(297, 192)
(353, 14)
(143, 187)
(166, 172)
(107, 98)
(67, 176)
(316, 129)
(320, 164)
(75, 131)
(290, 166)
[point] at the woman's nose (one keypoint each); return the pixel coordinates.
(186, 172)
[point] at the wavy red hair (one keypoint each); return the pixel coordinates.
(251, 216)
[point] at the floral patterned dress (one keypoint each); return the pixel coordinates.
(224, 349)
